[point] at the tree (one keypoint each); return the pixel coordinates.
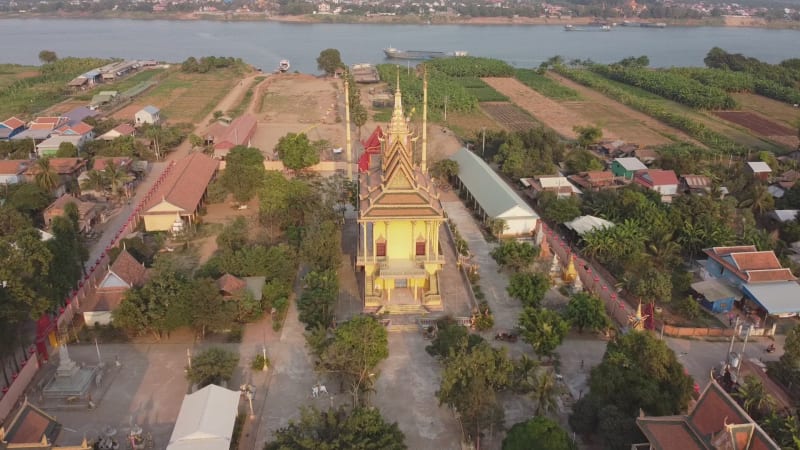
(470, 380)
(543, 329)
(66, 267)
(515, 255)
(94, 181)
(585, 310)
(66, 150)
(529, 288)
(116, 178)
(46, 178)
(329, 60)
(196, 141)
(451, 336)
(156, 135)
(638, 372)
(244, 172)
(320, 292)
(212, 366)
(581, 160)
(296, 151)
(588, 135)
(48, 56)
(651, 285)
(444, 169)
(359, 115)
(361, 428)
(208, 310)
(357, 347)
(233, 237)
(559, 210)
(754, 397)
(321, 247)
(497, 226)
(545, 392)
(539, 432)
(29, 199)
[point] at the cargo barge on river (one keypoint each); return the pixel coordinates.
(393, 53)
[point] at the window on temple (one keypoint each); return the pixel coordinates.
(380, 248)
(421, 248)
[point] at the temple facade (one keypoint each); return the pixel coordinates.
(399, 219)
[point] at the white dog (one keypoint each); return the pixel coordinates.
(314, 392)
(323, 389)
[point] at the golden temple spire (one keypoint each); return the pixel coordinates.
(398, 123)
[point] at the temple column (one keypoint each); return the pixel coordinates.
(364, 238)
(413, 240)
(428, 243)
(386, 237)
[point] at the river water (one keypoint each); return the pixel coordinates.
(264, 44)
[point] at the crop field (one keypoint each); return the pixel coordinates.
(10, 73)
(509, 115)
(780, 112)
(189, 97)
(756, 123)
(482, 91)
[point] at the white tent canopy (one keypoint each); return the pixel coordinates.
(206, 420)
(587, 224)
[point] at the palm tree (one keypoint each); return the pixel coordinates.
(545, 393)
(155, 134)
(46, 178)
(115, 178)
(94, 181)
(759, 199)
(754, 397)
(497, 226)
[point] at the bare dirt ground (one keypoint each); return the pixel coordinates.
(780, 112)
(638, 127)
(297, 103)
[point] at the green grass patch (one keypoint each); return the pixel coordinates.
(242, 106)
(546, 86)
(383, 115)
(482, 91)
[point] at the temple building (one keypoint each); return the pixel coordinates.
(399, 219)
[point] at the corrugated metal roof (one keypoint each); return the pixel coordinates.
(587, 224)
(776, 298)
(492, 193)
(631, 163)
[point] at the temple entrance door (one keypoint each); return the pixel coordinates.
(401, 283)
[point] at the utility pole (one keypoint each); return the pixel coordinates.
(483, 146)
(445, 107)
(348, 145)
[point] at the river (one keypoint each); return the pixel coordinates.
(264, 44)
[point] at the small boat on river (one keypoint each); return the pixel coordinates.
(284, 66)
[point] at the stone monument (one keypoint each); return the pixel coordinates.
(71, 381)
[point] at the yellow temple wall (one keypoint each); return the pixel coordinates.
(400, 242)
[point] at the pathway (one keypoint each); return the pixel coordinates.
(493, 281)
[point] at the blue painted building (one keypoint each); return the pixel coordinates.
(10, 128)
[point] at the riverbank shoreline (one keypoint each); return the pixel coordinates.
(725, 21)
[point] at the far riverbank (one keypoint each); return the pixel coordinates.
(724, 21)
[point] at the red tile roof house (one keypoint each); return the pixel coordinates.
(12, 170)
(176, 202)
(11, 127)
(665, 182)
(124, 274)
(595, 180)
(715, 421)
(87, 212)
(224, 138)
(68, 169)
(767, 287)
(231, 286)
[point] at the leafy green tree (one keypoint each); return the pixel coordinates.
(116, 178)
(515, 255)
(638, 371)
(585, 310)
(470, 380)
(208, 310)
(497, 226)
(329, 60)
(451, 336)
(444, 169)
(296, 151)
(244, 172)
(321, 246)
(651, 285)
(361, 429)
(588, 135)
(162, 305)
(559, 210)
(357, 347)
(47, 56)
(316, 303)
(66, 266)
(581, 160)
(66, 150)
(212, 366)
(196, 141)
(94, 181)
(528, 288)
(234, 236)
(539, 432)
(29, 199)
(545, 392)
(359, 115)
(543, 329)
